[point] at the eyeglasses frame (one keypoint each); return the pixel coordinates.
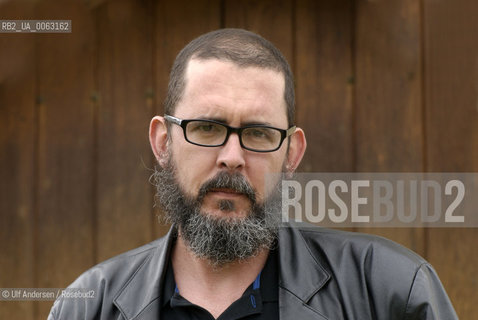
(285, 133)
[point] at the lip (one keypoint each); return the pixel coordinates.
(226, 193)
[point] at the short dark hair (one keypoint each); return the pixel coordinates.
(241, 47)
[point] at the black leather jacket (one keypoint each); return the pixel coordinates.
(324, 274)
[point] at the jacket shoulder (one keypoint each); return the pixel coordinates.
(105, 281)
(361, 246)
(394, 281)
(118, 267)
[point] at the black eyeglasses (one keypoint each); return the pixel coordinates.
(210, 133)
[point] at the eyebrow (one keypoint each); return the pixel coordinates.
(248, 123)
(222, 120)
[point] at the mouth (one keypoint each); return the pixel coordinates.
(226, 192)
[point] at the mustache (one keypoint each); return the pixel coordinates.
(225, 180)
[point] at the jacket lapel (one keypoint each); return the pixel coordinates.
(139, 299)
(301, 276)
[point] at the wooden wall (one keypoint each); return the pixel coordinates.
(384, 85)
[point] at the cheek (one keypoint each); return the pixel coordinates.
(194, 166)
(264, 171)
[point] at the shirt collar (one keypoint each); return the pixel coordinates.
(267, 282)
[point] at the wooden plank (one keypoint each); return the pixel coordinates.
(451, 87)
(125, 108)
(388, 97)
(17, 161)
(64, 237)
(177, 23)
(272, 19)
(323, 74)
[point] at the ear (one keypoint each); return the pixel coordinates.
(158, 138)
(297, 147)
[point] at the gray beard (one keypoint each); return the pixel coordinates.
(219, 240)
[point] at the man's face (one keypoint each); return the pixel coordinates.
(216, 196)
(222, 91)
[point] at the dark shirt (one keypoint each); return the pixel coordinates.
(258, 302)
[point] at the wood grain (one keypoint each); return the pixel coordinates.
(388, 103)
(324, 83)
(451, 89)
(125, 70)
(17, 161)
(65, 233)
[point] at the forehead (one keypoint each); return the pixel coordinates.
(222, 89)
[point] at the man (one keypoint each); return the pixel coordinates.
(228, 123)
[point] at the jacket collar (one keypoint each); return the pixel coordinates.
(139, 298)
(301, 276)
(300, 272)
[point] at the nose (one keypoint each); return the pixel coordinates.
(231, 155)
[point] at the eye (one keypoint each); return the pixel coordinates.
(205, 128)
(202, 127)
(258, 133)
